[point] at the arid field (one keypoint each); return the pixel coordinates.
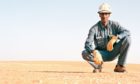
(64, 72)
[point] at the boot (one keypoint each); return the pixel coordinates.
(99, 69)
(119, 68)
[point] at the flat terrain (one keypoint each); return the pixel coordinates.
(64, 72)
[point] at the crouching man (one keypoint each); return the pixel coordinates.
(106, 41)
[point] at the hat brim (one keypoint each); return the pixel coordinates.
(104, 12)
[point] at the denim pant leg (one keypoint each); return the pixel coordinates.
(120, 49)
(89, 58)
(124, 50)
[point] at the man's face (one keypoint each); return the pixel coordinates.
(104, 17)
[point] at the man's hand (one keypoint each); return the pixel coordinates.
(97, 57)
(111, 43)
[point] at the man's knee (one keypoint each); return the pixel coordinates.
(126, 41)
(85, 55)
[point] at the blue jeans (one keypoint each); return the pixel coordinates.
(120, 50)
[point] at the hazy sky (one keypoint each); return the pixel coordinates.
(57, 29)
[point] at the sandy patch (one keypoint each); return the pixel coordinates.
(64, 72)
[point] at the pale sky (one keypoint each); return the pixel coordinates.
(57, 29)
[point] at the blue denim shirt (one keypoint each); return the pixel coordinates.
(99, 35)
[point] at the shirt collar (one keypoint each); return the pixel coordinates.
(103, 26)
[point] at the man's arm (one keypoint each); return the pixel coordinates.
(121, 31)
(89, 46)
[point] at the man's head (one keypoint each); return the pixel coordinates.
(104, 13)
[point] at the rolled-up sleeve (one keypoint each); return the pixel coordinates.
(89, 45)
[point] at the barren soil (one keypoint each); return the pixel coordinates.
(64, 72)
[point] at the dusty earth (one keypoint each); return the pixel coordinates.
(64, 72)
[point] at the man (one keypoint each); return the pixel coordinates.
(106, 40)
